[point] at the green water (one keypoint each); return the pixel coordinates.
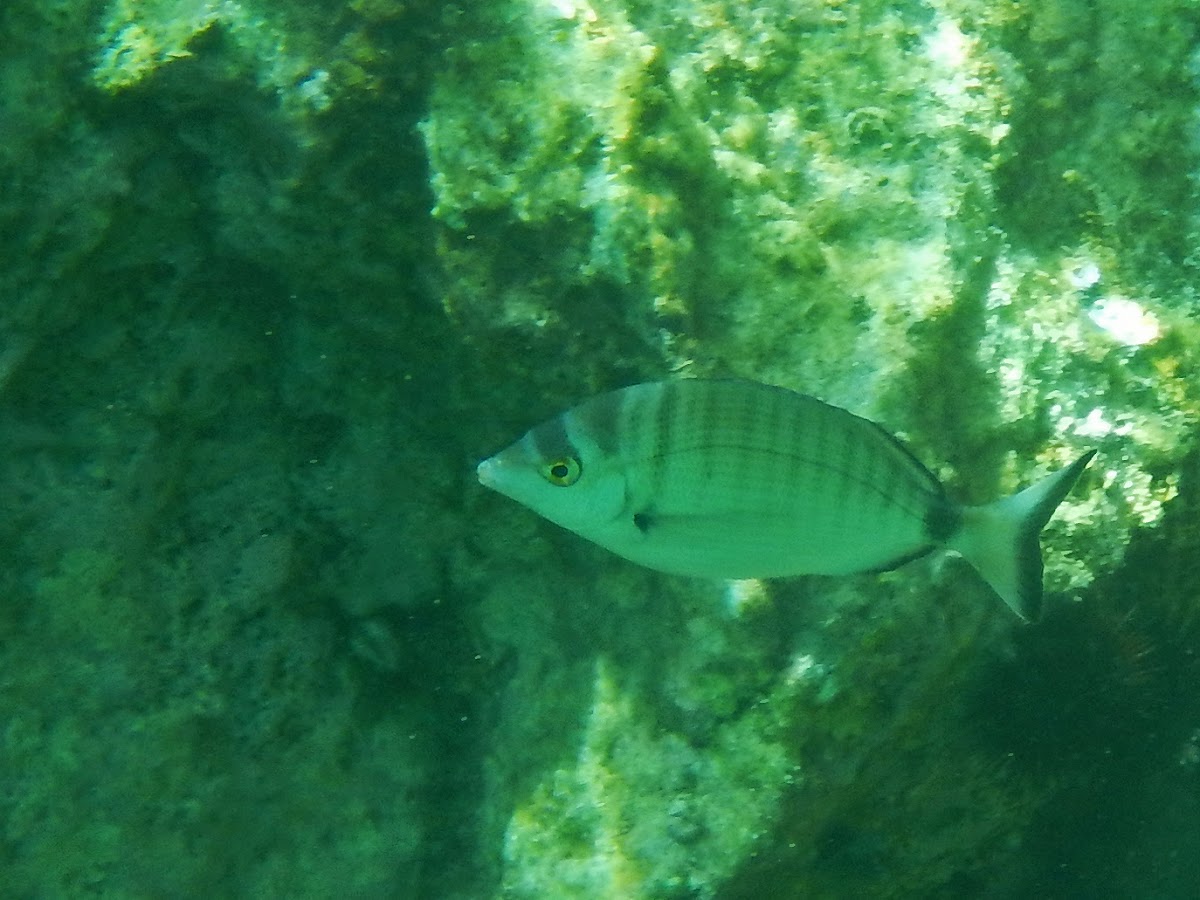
(274, 277)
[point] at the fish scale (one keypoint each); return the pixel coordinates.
(733, 479)
(833, 474)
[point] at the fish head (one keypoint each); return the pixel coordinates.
(566, 478)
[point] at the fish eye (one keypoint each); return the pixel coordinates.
(563, 472)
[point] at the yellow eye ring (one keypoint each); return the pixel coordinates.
(563, 472)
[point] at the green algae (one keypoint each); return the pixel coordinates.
(813, 214)
(140, 39)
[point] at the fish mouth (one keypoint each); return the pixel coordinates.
(488, 472)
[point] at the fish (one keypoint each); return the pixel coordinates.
(731, 479)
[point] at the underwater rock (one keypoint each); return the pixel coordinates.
(813, 197)
(276, 277)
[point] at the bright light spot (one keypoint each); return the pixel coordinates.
(804, 667)
(1084, 275)
(948, 45)
(1124, 321)
(742, 595)
(314, 90)
(800, 668)
(568, 10)
(1094, 426)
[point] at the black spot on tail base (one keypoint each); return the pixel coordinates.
(942, 521)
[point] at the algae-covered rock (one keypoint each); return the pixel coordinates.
(722, 169)
(823, 197)
(185, 714)
(275, 276)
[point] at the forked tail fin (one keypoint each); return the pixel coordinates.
(1001, 539)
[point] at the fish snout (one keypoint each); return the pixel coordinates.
(488, 472)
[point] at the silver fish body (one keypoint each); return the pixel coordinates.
(732, 479)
